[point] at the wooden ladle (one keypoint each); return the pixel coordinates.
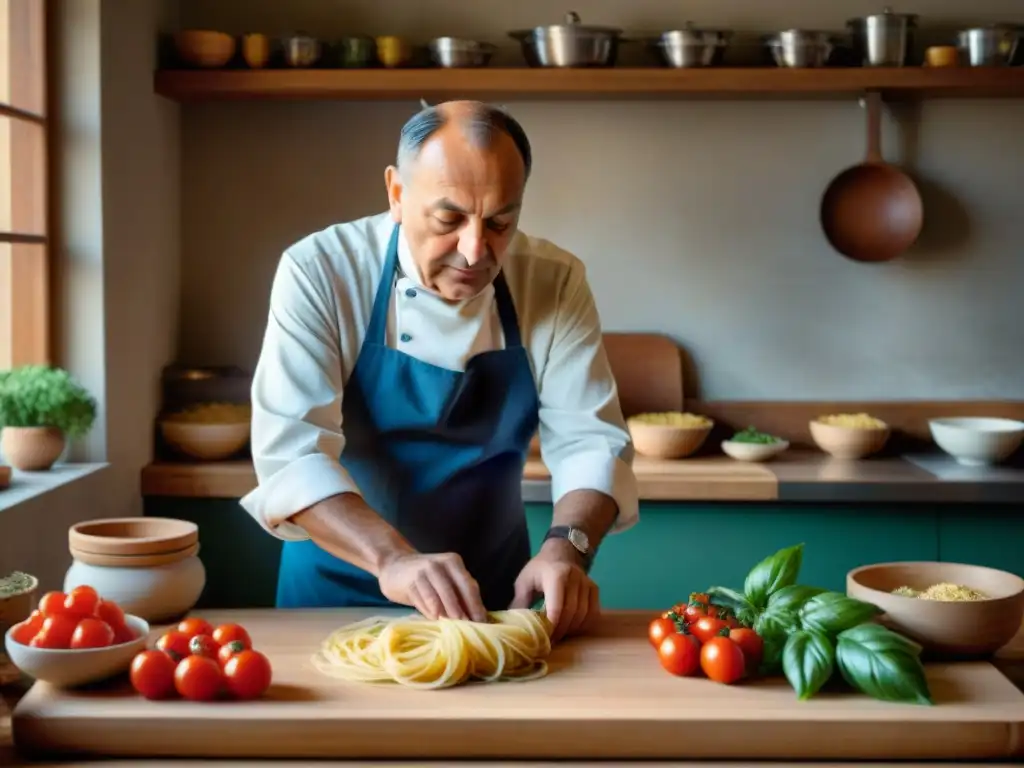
(872, 211)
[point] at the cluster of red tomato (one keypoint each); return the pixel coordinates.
(700, 636)
(201, 662)
(76, 620)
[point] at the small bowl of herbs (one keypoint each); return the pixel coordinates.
(751, 444)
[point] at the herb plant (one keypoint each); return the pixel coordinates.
(44, 396)
(811, 634)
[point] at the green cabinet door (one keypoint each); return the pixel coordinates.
(991, 535)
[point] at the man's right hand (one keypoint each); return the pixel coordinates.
(438, 586)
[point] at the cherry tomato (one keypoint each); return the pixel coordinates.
(203, 645)
(233, 648)
(694, 612)
(82, 601)
(24, 631)
(706, 627)
(752, 646)
(52, 603)
(248, 674)
(174, 644)
(198, 678)
(92, 633)
(680, 654)
(231, 633)
(56, 632)
(722, 660)
(152, 674)
(193, 626)
(659, 629)
(111, 613)
(123, 634)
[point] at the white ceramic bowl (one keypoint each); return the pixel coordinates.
(977, 441)
(68, 668)
(753, 451)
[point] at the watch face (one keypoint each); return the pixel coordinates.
(579, 539)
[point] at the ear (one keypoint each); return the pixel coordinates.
(393, 182)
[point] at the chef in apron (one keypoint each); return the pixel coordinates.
(408, 359)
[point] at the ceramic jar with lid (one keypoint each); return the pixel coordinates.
(149, 565)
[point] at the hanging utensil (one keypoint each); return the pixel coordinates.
(872, 211)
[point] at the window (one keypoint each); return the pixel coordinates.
(24, 193)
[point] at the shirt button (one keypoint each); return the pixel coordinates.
(405, 337)
(410, 292)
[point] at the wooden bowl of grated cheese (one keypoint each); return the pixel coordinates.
(953, 610)
(208, 431)
(670, 435)
(849, 435)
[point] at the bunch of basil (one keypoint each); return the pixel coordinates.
(811, 632)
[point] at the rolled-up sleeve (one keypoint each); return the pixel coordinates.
(584, 440)
(296, 404)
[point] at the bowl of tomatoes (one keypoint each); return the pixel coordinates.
(75, 639)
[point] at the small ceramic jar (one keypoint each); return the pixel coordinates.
(148, 566)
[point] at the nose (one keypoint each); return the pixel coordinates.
(472, 244)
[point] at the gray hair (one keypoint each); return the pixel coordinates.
(483, 124)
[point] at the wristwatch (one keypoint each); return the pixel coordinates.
(575, 536)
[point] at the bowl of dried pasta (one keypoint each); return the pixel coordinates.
(671, 435)
(849, 435)
(207, 431)
(952, 610)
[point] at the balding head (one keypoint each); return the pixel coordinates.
(457, 189)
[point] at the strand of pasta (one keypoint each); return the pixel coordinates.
(418, 653)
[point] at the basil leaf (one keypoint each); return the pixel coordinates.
(772, 574)
(734, 601)
(834, 612)
(808, 661)
(791, 598)
(882, 664)
(775, 628)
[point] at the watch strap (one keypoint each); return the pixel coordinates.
(563, 532)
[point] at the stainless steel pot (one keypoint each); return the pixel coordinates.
(690, 47)
(883, 39)
(451, 52)
(301, 50)
(800, 48)
(991, 46)
(571, 44)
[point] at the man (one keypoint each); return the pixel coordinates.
(407, 362)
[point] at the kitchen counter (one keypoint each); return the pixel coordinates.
(610, 679)
(799, 475)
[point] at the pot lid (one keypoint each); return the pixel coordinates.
(571, 25)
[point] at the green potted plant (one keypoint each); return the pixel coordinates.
(40, 408)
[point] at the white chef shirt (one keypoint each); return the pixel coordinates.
(320, 304)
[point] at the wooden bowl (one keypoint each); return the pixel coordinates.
(665, 441)
(207, 442)
(849, 442)
(132, 536)
(204, 48)
(944, 629)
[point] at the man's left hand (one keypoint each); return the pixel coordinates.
(571, 598)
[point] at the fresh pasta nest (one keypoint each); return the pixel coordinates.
(419, 653)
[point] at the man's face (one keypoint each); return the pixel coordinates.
(459, 208)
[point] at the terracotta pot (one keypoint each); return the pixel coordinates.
(14, 609)
(31, 449)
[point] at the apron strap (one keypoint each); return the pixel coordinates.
(507, 312)
(375, 334)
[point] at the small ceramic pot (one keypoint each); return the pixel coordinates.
(31, 449)
(155, 587)
(14, 609)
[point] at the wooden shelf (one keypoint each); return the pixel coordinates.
(618, 83)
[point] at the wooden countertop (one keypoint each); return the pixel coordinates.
(797, 475)
(609, 679)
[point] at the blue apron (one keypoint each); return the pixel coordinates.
(437, 453)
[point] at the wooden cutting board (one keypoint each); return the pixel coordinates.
(606, 697)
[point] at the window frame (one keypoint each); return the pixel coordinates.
(32, 253)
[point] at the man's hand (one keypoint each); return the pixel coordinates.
(571, 598)
(435, 585)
